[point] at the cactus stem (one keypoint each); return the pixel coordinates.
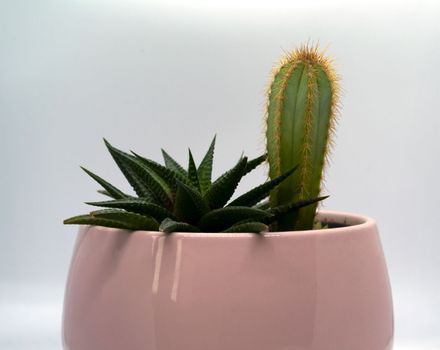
(301, 114)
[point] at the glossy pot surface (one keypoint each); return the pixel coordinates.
(306, 290)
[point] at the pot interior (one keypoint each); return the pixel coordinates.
(333, 219)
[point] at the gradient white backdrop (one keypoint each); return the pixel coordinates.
(151, 74)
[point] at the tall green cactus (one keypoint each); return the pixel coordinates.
(301, 110)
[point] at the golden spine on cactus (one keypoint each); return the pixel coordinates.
(301, 116)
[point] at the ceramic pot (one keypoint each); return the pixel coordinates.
(305, 290)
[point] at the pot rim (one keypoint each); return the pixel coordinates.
(354, 222)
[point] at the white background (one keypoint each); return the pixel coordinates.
(171, 74)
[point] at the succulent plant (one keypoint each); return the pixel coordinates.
(171, 198)
(301, 110)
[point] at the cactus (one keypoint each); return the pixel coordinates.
(301, 115)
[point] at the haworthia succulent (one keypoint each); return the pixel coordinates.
(290, 209)
(185, 200)
(220, 219)
(192, 171)
(223, 188)
(168, 175)
(253, 163)
(189, 204)
(143, 181)
(168, 226)
(173, 164)
(204, 171)
(117, 219)
(90, 220)
(136, 205)
(145, 222)
(258, 193)
(248, 227)
(111, 190)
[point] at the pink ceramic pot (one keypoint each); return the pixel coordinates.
(305, 290)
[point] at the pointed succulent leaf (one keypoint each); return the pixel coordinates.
(204, 170)
(192, 171)
(90, 220)
(156, 171)
(140, 222)
(224, 187)
(170, 163)
(281, 210)
(136, 205)
(143, 182)
(105, 193)
(253, 163)
(132, 177)
(167, 174)
(258, 193)
(169, 226)
(161, 174)
(220, 219)
(120, 219)
(248, 227)
(189, 205)
(111, 190)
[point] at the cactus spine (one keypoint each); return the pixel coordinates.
(301, 113)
